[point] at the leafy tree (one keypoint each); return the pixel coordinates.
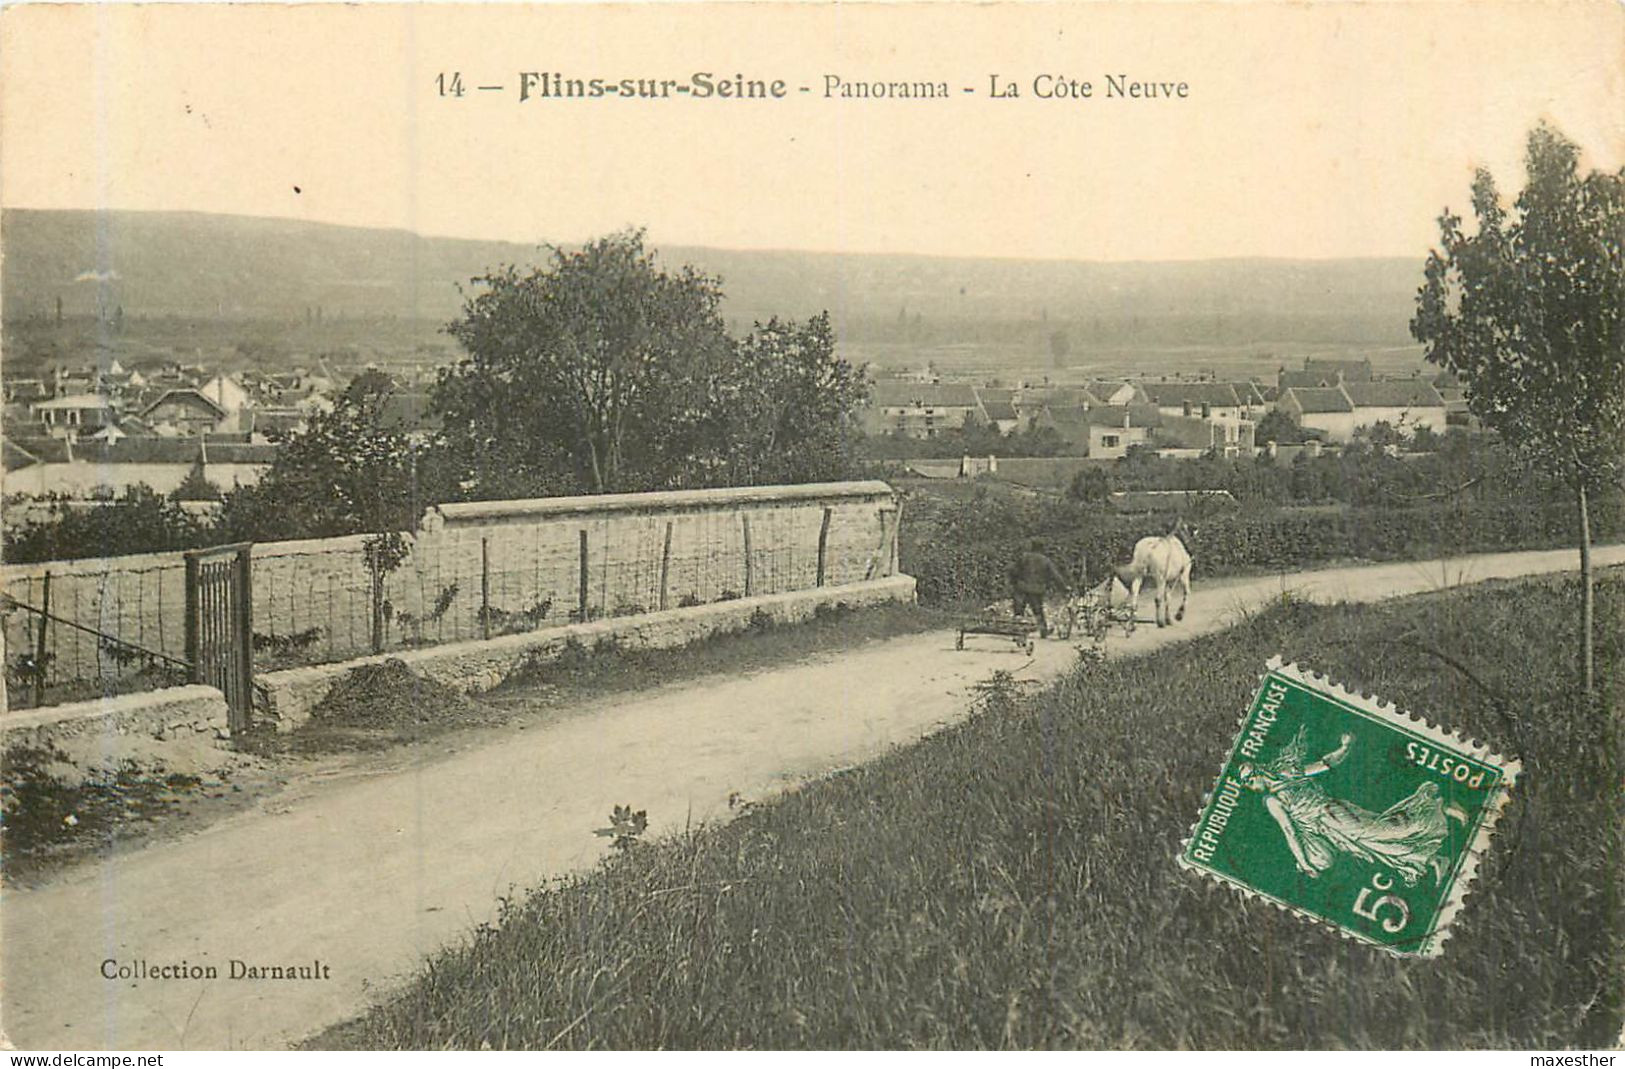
(1279, 427)
(1091, 485)
(785, 407)
(1037, 441)
(140, 520)
(350, 471)
(602, 358)
(492, 456)
(196, 486)
(1381, 434)
(1528, 313)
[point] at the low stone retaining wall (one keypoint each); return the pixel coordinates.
(180, 728)
(479, 665)
(474, 568)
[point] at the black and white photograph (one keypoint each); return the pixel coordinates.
(812, 526)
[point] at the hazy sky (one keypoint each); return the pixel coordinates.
(1315, 131)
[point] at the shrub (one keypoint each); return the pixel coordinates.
(953, 569)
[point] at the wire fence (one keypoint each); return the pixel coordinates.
(78, 634)
(80, 630)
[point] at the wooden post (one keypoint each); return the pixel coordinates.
(238, 718)
(581, 601)
(896, 538)
(377, 610)
(749, 577)
(39, 647)
(485, 587)
(665, 567)
(882, 551)
(823, 543)
(194, 608)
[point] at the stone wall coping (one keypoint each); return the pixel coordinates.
(476, 512)
(111, 709)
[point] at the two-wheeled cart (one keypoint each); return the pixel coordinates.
(992, 621)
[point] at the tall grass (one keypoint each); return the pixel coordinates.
(1011, 882)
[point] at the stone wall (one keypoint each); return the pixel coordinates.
(521, 559)
(182, 729)
(479, 665)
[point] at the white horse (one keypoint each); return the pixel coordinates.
(1162, 559)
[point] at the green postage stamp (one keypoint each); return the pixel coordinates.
(1346, 810)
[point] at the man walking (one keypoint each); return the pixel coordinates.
(1032, 575)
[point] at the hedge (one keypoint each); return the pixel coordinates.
(959, 571)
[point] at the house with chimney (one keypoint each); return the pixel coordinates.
(1196, 400)
(1112, 392)
(184, 413)
(1404, 404)
(75, 414)
(1326, 409)
(1115, 429)
(919, 409)
(1339, 412)
(1187, 436)
(1097, 431)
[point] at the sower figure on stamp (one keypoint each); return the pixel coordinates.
(1032, 575)
(1406, 837)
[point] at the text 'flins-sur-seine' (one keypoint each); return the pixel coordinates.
(706, 85)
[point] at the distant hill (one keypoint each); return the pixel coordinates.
(234, 267)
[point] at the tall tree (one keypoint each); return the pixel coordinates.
(785, 408)
(603, 357)
(1528, 313)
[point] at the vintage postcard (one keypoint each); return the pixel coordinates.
(750, 526)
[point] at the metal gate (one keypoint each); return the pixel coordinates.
(220, 625)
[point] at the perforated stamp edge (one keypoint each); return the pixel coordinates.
(1460, 886)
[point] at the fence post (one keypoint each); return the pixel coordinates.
(39, 651)
(823, 543)
(193, 609)
(485, 586)
(883, 551)
(745, 519)
(581, 600)
(665, 567)
(377, 609)
(896, 539)
(239, 720)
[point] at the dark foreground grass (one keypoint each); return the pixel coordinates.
(1011, 882)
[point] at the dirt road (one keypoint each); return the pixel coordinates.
(361, 879)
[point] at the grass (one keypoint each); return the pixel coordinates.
(43, 816)
(762, 644)
(380, 706)
(1010, 882)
